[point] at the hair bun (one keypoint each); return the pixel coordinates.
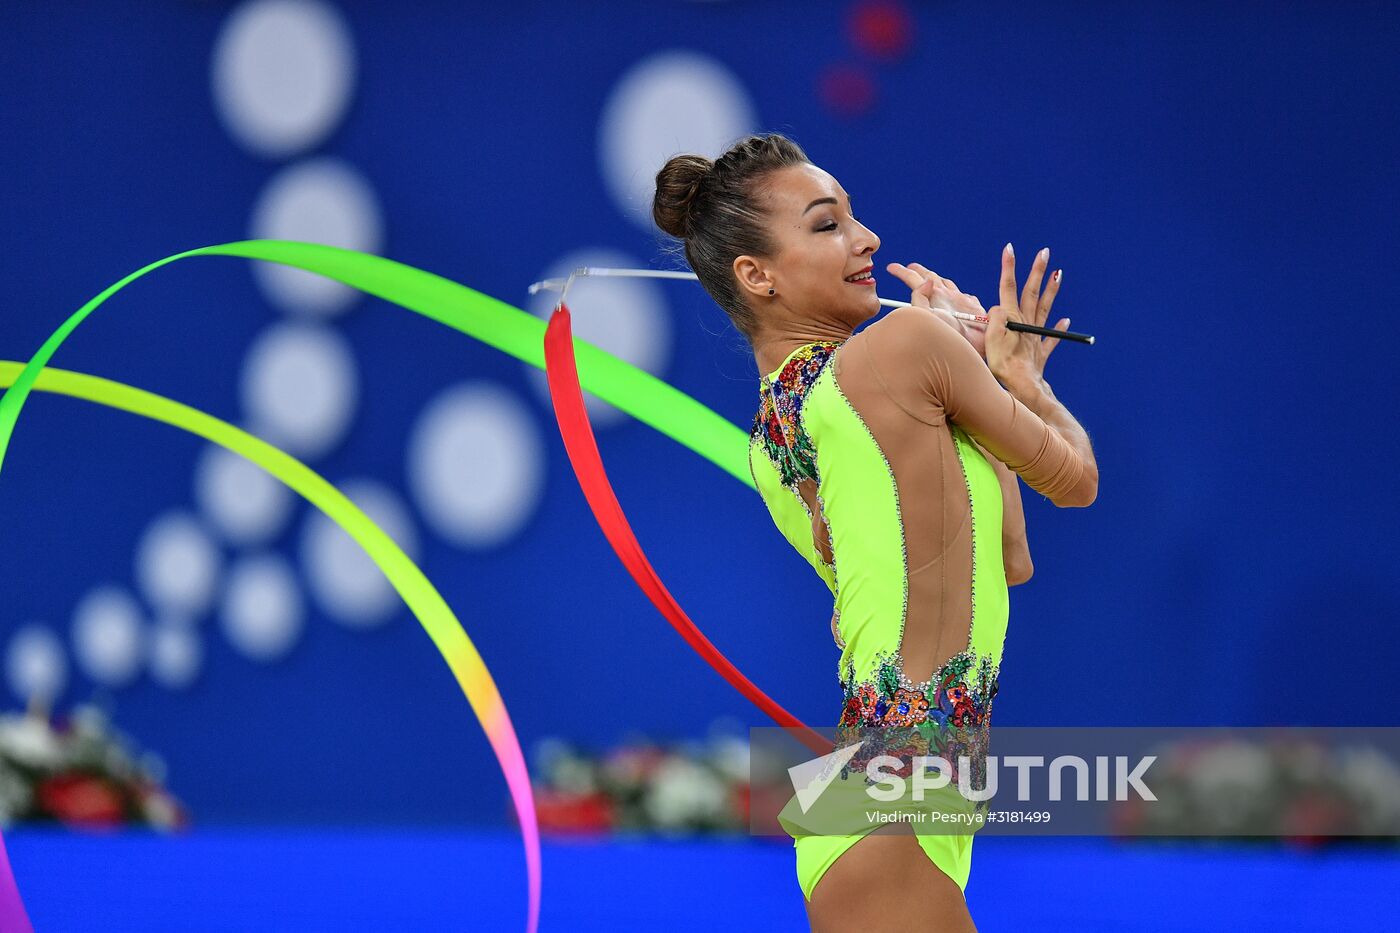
(677, 185)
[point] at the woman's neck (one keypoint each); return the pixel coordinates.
(772, 348)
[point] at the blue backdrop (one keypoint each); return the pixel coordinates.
(1218, 185)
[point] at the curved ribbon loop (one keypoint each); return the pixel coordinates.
(413, 586)
(577, 432)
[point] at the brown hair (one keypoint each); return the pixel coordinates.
(713, 207)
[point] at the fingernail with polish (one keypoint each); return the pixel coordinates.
(1044, 254)
(1057, 274)
(1009, 250)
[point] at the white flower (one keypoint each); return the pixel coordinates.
(683, 792)
(30, 741)
(730, 755)
(1375, 781)
(159, 810)
(1230, 781)
(1233, 766)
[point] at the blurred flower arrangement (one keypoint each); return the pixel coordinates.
(680, 788)
(1289, 788)
(1293, 788)
(81, 773)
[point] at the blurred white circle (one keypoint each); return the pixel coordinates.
(35, 663)
(682, 792)
(263, 613)
(300, 387)
(108, 636)
(322, 200)
(476, 464)
(345, 582)
(667, 104)
(176, 654)
(628, 317)
(177, 565)
(247, 504)
(282, 74)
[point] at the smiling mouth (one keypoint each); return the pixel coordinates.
(861, 278)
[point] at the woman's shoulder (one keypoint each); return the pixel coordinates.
(907, 333)
(908, 321)
(910, 353)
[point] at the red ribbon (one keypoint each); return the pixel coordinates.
(566, 393)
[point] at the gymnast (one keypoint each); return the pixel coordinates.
(889, 460)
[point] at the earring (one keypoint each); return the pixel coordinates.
(770, 291)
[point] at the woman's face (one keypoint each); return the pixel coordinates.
(818, 246)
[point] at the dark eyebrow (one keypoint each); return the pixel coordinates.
(823, 201)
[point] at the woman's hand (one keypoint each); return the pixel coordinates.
(1013, 355)
(943, 296)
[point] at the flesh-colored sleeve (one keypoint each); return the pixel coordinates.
(933, 373)
(789, 512)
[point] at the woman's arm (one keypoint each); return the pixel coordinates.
(1015, 551)
(1026, 428)
(950, 381)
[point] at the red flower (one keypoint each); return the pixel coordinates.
(851, 715)
(82, 801)
(579, 813)
(775, 432)
(1310, 819)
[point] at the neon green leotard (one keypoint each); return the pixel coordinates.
(866, 453)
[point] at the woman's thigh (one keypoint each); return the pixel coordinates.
(886, 881)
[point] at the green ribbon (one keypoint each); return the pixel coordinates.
(403, 574)
(493, 322)
(508, 329)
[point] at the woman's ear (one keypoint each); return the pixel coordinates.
(753, 278)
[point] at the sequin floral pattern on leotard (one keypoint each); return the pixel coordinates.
(948, 715)
(779, 421)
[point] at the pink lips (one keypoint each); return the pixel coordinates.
(869, 281)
